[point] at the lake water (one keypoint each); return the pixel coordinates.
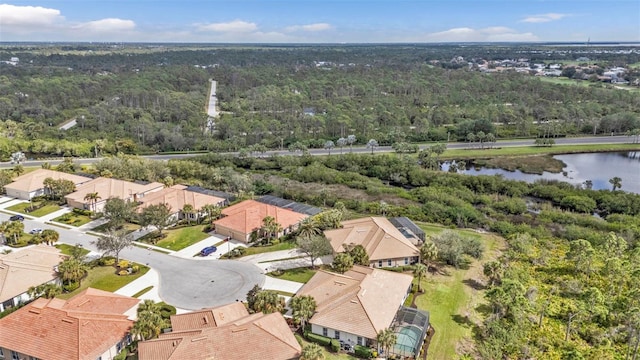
(597, 167)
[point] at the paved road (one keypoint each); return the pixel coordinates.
(620, 139)
(184, 283)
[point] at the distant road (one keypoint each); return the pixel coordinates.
(620, 139)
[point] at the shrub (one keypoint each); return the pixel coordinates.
(363, 352)
(167, 310)
(335, 345)
(109, 262)
(123, 272)
(135, 268)
(318, 339)
(81, 212)
(70, 286)
(123, 264)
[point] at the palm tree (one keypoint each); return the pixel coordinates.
(188, 211)
(351, 139)
(616, 182)
(341, 143)
(428, 253)
(212, 211)
(312, 351)
(303, 308)
(309, 227)
(49, 187)
(493, 270)
(14, 230)
(372, 144)
(386, 339)
(47, 291)
(72, 270)
(92, 199)
(150, 321)
(270, 228)
(420, 271)
(267, 302)
(329, 145)
(18, 169)
(49, 236)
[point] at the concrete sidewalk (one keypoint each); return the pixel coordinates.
(55, 214)
(272, 256)
(271, 283)
(293, 263)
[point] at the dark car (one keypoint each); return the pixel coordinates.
(208, 250)
(17, 218)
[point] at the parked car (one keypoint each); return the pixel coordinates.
(35, 231)
(17, 218)
(208, 250)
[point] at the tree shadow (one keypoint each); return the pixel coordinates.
(484, 309)
(474, 284)
(462, 320)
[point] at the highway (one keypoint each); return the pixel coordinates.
(619, 139)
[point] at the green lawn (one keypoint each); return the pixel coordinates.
(535, 150)
(128, 226)
(178, 239)
(565, 81)
(23, 241)
(301, 275)
(287, 245)
(23, 208)
(73, 219)
(66, 249)
(105, 278)
(453, 304)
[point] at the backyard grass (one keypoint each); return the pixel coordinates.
(105, 278)
(287, 245)
(452, 297)
(301, 275)
(23, 208)
(327, 354)
(178, 239)
(73, 219)
(66, 249)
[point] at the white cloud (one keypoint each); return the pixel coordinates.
(21, 16)
(489, 34)
(107, 25)
(309, 27)
(543, 18)
(236, 26)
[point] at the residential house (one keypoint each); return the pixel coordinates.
(20, 270)
(176, 197)
(94, 324)
(31, 184)
(383, 242)
(242, 219)
(355, 306)
(107, 188)
(227, 332)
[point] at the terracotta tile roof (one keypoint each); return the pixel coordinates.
(256, 336)
(209, 317)
(377, 235)
(361, 301)
(54, 330)
(177, 198)
(247, 216)
(34, 180)
(110, 188)
(20, 270)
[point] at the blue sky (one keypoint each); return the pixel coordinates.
(313, 21)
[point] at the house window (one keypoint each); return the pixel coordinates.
(1, 353)
(14, 355)
(337, 335)
(389, 262)
(324, 332)
(379, 263)
(406, 261)
(360, 340)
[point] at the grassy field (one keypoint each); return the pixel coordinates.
(301, 275)
(23, 207)
(73, 219)
(565, 81)
(452, 298)
(66, 249)
(105, 278)
(128, 226)
(287, 245)
(178, 239)
(476, 153)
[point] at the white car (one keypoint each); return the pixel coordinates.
(35, 231)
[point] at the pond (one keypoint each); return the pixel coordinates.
(597, 167)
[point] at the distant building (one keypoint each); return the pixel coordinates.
(31, 184)
(109, 188)
(176, 197)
